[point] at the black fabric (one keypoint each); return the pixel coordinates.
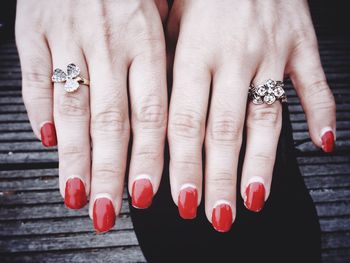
(286, 230)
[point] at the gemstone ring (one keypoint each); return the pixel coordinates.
(72, 78)
(267, 93)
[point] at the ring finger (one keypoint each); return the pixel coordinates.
(263, 124)
(72, 117)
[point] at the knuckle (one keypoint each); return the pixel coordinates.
(225, 128)
(107, 173)
(147, 154)
(71, 106)
(188, 124)
(262, 115)
(263, 160)
(110, 120)
(35, 79)
(321, 96)
(36, 88)
(150, 113)
(73, 153)
(187, 163)
(221, 180)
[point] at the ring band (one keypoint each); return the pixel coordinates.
(72, 78)
(267, 93)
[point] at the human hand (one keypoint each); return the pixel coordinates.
(119, 46)
(222, 47)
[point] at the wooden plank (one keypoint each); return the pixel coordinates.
(324, 159)
(10, 100)
(14, 117)
(47, 211)
(73, 241)
(318, 182)
(333, 209)
(57, 226)
(38, 183)
(124, 254)
(335, 224)
(30, 173)
(326, 169)
(30, 146)
(336, 256)
(20, 126)
(34, 157)
(13, 109)
(336, 240)
(17, 136)
(330, 194)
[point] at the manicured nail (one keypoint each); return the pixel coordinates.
(327, 141)
(222, 217)
(103, 214)
(255, 196)
(142, 193)
(75, 195)
(48, 134)
(187, 202)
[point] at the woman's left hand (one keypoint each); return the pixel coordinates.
(226, 46)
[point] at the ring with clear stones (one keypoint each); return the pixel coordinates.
(268, 92)
(72, 78)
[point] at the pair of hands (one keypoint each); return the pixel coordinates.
(221, 47)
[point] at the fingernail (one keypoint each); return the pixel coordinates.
(103, 214)
(187, 202)
(327, 141)
(48, 134)
(255, 196)
(142, 193)
(222, 217)
(75, 195)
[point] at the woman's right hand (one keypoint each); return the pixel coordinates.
(119, 46)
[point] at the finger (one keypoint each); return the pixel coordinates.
(37, 91)
(109, 134)
(316, 98)
(186, 129)
(223, 142)
(72, 115)
(263, 124)
(148, 96)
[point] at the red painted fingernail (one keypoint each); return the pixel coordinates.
(187, 203)
(142, 193)
(75, 194)
(48, 135)
(328, 141)
(222, 217)
(103, 214)
(255, 196)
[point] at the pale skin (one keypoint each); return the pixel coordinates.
(221, 46)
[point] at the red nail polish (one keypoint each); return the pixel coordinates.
(187, 203)
(255, 196)
(142, 193)
(103, 214)
(75, 195)
(222, 218)
(48, 135)
(328, 141)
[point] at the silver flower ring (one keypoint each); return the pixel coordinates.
(267, 93)
(72, 78)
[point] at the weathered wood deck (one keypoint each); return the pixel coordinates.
(35, 226)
